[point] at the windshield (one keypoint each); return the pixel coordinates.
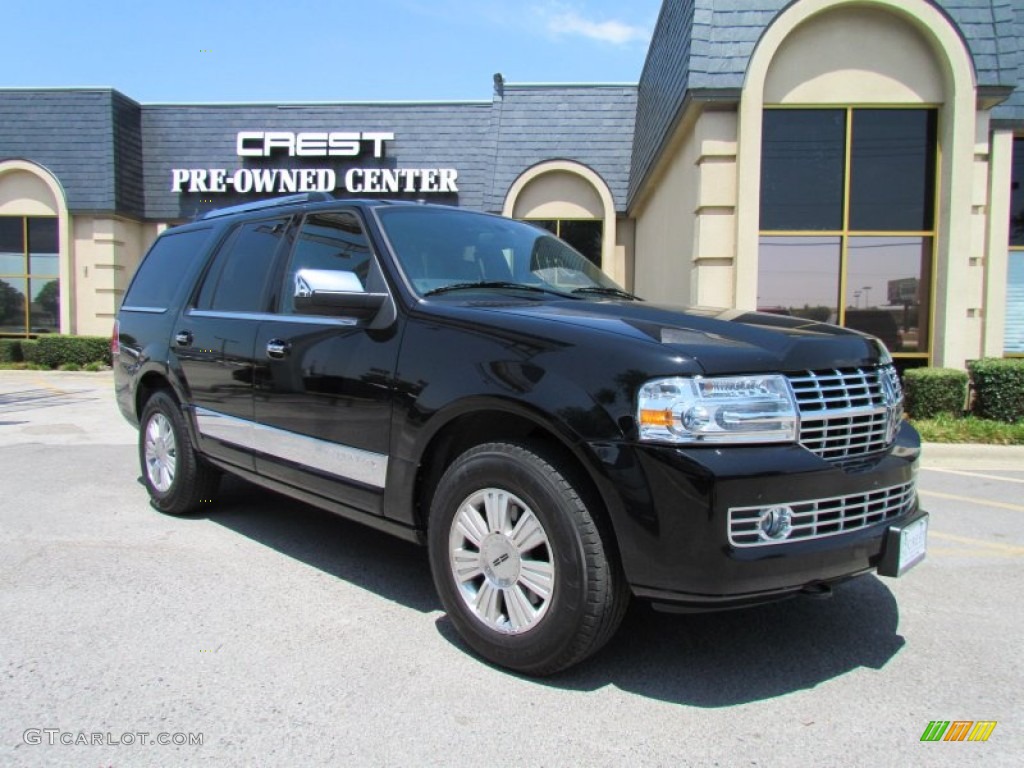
(437, 248)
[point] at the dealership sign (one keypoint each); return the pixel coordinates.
(335, 144)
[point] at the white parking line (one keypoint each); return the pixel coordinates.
(975, 474)
(972, 500)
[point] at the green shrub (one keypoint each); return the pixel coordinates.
(10, 350)
(998, 389)
(55, 351)
(29, 351)
(931, 391)
(93, 367)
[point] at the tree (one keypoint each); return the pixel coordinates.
(48, 298)
(12, 305)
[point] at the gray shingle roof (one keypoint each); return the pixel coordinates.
(705, 45)
(591, 125)
(71, 133)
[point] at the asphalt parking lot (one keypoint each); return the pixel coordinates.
(276, 634)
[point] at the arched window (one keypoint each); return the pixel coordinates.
(849, 211)
(30, 250)
(573, 202)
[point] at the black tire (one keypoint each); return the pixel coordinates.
(588, 594)
(192, 482)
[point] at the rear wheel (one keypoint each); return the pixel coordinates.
(177, 479)
(519, 560)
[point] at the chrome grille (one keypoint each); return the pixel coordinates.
(846, 413)
(819, 518)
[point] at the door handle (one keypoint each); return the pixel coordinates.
(183, 338)
(277, 348)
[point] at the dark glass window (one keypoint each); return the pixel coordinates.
(887, 284)
(238, 278)
(892, 170)
(799, 276)
(333, 241)
(12, 245)
(585, 235)
(803, 155)
(1016, 195)
(160, 273)
(12, 305)
(887, 161)
(29, 275)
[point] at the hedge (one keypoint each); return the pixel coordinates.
(931, 391)
(998, 389)
(55, 351)
(29, 350)
(10, 350)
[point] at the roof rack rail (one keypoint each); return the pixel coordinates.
(274, 202)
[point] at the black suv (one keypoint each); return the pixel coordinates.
(473, 383)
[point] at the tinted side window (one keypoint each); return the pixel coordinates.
(238, 276)
(162, 269)
(333, 241)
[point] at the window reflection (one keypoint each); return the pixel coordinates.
(12, 305)
(799, 276)
(29, 269)
(887, 289)
(44, 310)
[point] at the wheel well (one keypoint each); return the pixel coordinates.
(148, 386)
(473, 429)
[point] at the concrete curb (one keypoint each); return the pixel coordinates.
(972, 456)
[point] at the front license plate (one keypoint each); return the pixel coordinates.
(913, 543)
(904, 547)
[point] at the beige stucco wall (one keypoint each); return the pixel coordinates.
(107, 250)
(854, 55)
(997, 241)
(558, 195)
(625, 241)
(685, 224)
(23, 193)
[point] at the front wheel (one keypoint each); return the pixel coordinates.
(178, 480)
(519, 561)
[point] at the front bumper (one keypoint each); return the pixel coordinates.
(672, 518)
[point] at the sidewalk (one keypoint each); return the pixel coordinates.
(972, 456)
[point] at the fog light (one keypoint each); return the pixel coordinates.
(775, 523)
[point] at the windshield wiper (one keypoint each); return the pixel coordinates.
(601, 290)
(491, 284)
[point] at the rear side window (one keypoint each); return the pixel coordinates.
(163, 268)
(240, 272)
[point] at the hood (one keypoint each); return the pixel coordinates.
(720, 341)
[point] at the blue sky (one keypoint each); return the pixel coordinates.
(330, 50)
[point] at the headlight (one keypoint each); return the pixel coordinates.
(733, 409)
